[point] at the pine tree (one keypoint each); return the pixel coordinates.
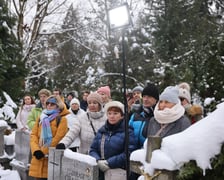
(12, 71)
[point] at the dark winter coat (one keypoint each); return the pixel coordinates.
(139, 122)
(114, 145)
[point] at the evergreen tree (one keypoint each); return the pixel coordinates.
(12, 71)
(185, 39)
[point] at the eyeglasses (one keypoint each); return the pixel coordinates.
(182, 99)
(51, 104)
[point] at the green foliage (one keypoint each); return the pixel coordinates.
(12, 71)
(186, 40)
(190, 171)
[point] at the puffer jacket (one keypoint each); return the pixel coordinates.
(39, 168)
(82, 128)
(114, 145)
(139, 122)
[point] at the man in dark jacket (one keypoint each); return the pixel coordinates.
(139, 120)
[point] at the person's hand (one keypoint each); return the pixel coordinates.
(103, 165)
(38, 154)
(60, 146)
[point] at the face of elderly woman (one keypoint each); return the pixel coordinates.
(165, 104)
(93, 106)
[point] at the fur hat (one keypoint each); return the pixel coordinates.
(151, 90)
(137, 88)
(74, 101)
(117, 104)
(195, 110)
(105, 90)
(184, 93)
(96, 97)
(170, 94)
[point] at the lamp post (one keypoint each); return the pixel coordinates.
(119, 19)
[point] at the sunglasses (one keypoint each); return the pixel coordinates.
(51, 104)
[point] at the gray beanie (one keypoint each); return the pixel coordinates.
(137, 88)
(170, 94)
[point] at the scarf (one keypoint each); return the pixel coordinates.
(46, 117)
(168, 115)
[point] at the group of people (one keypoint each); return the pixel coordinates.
(99, 129)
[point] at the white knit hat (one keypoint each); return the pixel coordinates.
(74, 101)
(117, 104)
(184, 93)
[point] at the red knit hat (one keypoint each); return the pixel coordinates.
(105, 90)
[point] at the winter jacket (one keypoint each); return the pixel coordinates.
(71, 118)
(39, 168)
(139, 122)
(33, 115)
(83, 129)
(172, 128)
(22, 116)
(114, 144)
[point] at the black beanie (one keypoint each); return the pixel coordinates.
(151, 90)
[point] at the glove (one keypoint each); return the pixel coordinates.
(38, 154)
(103, 165)
(60, 146)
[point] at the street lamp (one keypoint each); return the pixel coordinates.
(119, 18)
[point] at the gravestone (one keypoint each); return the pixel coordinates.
(115, 174)
(2, 144)
(77, 170)
(22, 159)
(55, 164)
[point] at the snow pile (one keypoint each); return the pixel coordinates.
(80, 157)
(200, 142)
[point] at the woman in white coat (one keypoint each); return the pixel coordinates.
(86, 126)
(75, 113)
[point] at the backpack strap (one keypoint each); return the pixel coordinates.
(58, 120)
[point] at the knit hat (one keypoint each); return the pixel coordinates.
(170, 94)
(96, 97)
(74, 101)
(184, 93)
(114, 104)
(137, 88)
(105, 90)
(56, 100)
(151, 90)
(52, 100)
(185, 85)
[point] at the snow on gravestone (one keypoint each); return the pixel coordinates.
(71, 165)
(200, 142)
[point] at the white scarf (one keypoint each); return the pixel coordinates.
(168, 115)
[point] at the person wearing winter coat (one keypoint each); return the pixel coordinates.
(48, 130)
(108, 146)
(75, 113)
(139, 120)
(169, 115)
(87, 125)
(105, 94)
(35, 112)
(193, 111)
(22, 115)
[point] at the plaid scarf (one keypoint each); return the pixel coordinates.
(45, 118)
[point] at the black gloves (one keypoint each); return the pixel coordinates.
(60, 146)
(38, 154)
